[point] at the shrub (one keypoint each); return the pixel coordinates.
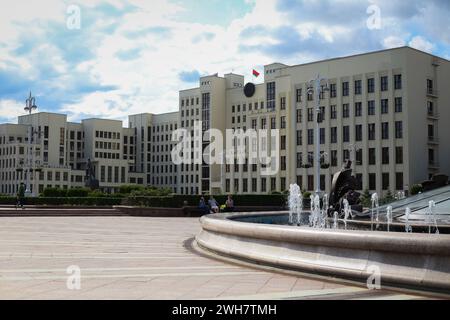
(78, 193)
(127, 189)
(416, 189)
(306, 195)
(54, 193)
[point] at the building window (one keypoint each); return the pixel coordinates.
(273, 123)
(310, 114)
(371, 108)
(283, 142)
(371, 129)
(333, 112)
(385, 155)
(299, 160)
(271, 95)
(299, 116)
(310, 183)
(371, 85)
(283, 122)
(399, 181)
(263, 185)
(385, 181)
(384, 106)
(384, 83)
(345, 110)
(358, 132)
(399, 155)
(333, 91)
(346, 133)
(299, 95)
(358, 87)
(283, 163)
(322, 135)
(299, 138)
(358, 109)
(399, 130)
(310, 136)
(345, 89)
(372, 181)
(372, 157)
(333, 135)
(334, 158)
(398, 82)
(385, 130)
(359, 157)
(398, 105)
(283, 103)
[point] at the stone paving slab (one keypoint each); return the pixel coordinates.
(137, 258)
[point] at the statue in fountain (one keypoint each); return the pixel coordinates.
(343, 188)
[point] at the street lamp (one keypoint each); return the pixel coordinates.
(316, 88)
(30, 106)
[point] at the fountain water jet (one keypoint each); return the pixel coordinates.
(295, 204)
(408, 227)
(375, 205)
(389, 217)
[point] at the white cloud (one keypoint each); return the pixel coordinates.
(149, 82)
(393, 42)
(422, 44)
(10, 109)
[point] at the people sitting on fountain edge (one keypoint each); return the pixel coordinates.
(203, 207)
(229, 204)
(213, 205)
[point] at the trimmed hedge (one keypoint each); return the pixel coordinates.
(179, 201)
(73, 201)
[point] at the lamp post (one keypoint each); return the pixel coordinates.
(315, 88)
(30, 106)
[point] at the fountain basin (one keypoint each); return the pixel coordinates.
(417, 260)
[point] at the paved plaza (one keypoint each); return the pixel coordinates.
(140, 258)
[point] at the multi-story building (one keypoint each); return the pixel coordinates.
(386, 111)
(55, 153)
(153, 136)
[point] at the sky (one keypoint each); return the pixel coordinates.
(110, 59)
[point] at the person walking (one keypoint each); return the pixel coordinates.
(21, 197)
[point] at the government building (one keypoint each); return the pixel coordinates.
(387, 111)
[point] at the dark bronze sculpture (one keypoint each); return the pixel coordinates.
(343, 187)
(91, 182)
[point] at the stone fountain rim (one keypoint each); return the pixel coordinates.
(406, 243)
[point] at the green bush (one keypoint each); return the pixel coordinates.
(127, 189)
(54, 193)
(306, 195)
(78, 192)
(416, 189)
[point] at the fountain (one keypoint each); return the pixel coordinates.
(408, 228)
(322, 246)
(347, 212)
(431, 217)
(389, 218)
(295, 204)
(335, 221)
(375, 205)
